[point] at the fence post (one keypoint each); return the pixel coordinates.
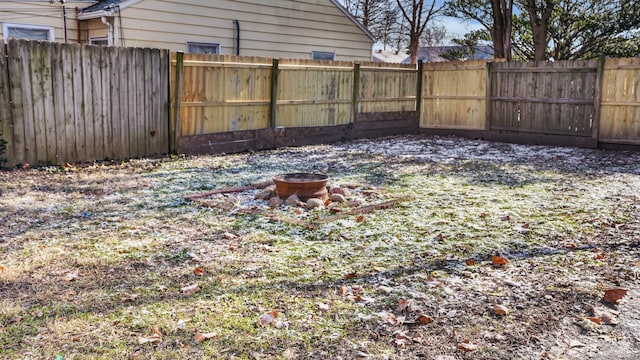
(174, 122)
(597, 100)
(488, 110)
(6, 122)
(356, 90)
(274, 93)
(419, 90)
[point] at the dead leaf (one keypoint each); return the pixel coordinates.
(614, 296)
(406, 306)
(71, 276)
(198, 270)
(149, 339)
(391, 318)
(363, 299)
(499, 261)
(424, 319)
(361, 218)
(156, 336)
(439, 238)
(200, 337)
(575, 343)
(385, 289)
(344, 290)
(323, 306)
(2, 269)
(129, 298)
(179, 326)
(379, 269)
(600, 256)
(267, 318)
(156, 331)
(505, 217)
(470, 262)
(484, 215)
(402, 339)
(230, 236)
(608, 319)
(500, 310)
(190, 290)
(350, 275)
(466, 345)
(595, 320)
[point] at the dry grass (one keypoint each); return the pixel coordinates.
(94, 258)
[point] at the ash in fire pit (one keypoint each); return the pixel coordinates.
(304, 185)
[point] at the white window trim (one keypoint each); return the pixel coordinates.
(313, 52)
(204, 44)
(98, 38)
(6, 26)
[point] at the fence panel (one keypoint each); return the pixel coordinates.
(314, 93)
(553, 98)
(387, 87)
(224, 93)
(68, 102)
(620, 106)
(454, 95)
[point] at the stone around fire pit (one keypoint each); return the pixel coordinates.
(306, 186)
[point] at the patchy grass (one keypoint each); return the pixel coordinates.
(95, 258)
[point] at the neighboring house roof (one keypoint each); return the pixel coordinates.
(434, 53)
(396, 57)
(104, 7)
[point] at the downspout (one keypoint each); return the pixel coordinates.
(64, 23)
(236, 30)
(110, 31)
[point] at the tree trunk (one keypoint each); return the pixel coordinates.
(501, 30)
(539, 20)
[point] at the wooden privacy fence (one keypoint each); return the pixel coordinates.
(229, 103)
(70, 103)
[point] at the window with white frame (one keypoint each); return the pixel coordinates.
(99, 40)
(203, 48)
(26, 31)
(323, 55)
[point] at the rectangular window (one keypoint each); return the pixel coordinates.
(203, 48)
(102, 40)
(323, 55)
(30, 32)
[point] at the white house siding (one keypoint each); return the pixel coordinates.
(279, 29)
(42, 14)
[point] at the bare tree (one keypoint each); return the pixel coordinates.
(434, 35)
(416, 16)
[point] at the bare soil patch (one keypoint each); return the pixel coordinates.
(498, 251)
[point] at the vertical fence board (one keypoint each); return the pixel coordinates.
(87, 103)
(79, 113)
(57, 71)
(6, 119)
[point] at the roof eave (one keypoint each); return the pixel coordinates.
(354, 20)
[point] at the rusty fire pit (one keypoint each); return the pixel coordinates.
(305, 185)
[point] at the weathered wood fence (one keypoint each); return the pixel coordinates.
(230, 104)
(68, 103)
